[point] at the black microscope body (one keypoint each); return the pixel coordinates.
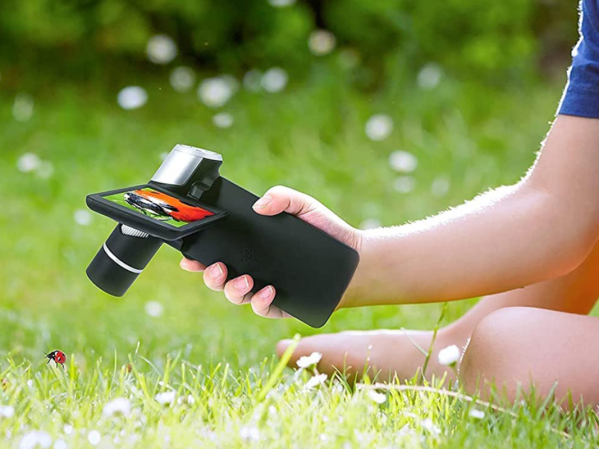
(309, 269)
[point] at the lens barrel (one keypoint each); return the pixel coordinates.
(121, 259)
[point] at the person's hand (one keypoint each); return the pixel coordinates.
(276, 200)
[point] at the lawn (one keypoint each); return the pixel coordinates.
(193, 370)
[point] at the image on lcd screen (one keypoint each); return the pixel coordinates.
(160, 206)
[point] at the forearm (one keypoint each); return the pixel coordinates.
(508, 238)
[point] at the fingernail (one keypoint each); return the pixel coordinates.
(242, 283)
(215, 271)
(266, 293)
(263, 202)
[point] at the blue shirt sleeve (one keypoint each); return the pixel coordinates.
(581, 95)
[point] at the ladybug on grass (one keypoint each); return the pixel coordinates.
(58, 356)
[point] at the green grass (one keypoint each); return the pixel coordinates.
(310, 138)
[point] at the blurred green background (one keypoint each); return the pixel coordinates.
(384, 110)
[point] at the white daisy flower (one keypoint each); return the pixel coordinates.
(117, 406)
(274, 80)
(403, 162)
(249, 433)
(321, 42)
(165, 398)
(379, 127)
(430, 426)
(7, 411)
(82, 217)
(132, 97)
(215, 92)
(182, 79)
(28, 162)
(154, 309)
(161, 49)
(475, 413)
(60, 444)
(308, 361)
(94, 437)
(35, 438)
(377, 397)
(314, 381)
(281, 3)
(429, 76)
(449, 355)
(223, 120)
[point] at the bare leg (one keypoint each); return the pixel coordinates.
(391, 352)
(522, 347)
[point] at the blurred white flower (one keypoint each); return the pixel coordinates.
(370, 223)
(28, 162)
(82, 217)
(403, 162)
(165, 398)
(190, 400)
(249, 433)
(449, 355)
(7, 411)
(281, 3)
(430, 426)
(475, 413)
(223, 120)
(379, 127)
(182, 79)
(117, 406)
(154, 308)
(429, 76)
(404, 184)
(307, 361)
(94, 437)
(30, 383)
(215, 92)
(35, 438)
(314, 381)
(377, 397)
(321, 42)
(161, 49)
(68, 429)
(45, 170)
(132, 97)
(440, 186)
(274, 80)
(22, 108)
(252, 80)
(60, 444)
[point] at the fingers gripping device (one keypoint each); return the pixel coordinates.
(189, 206)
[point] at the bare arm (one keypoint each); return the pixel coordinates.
(540, 228)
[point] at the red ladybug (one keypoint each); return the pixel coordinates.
(58, 356)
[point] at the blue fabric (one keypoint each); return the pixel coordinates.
(581, 95)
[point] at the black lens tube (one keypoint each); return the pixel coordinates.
(121, 259)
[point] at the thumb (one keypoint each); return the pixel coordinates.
(283, 199)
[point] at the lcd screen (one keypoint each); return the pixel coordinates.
(160, 206)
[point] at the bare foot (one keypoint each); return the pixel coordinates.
(383, 354)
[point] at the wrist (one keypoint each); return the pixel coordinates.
(351, 293)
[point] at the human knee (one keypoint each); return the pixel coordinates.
(493, 342)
